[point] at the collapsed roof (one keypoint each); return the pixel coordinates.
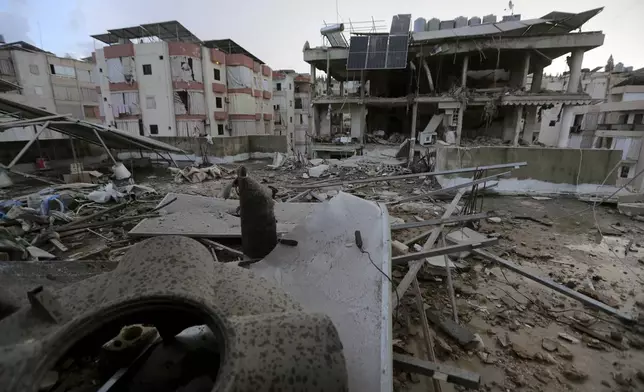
(79, 129)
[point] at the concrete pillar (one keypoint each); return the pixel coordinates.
(518, 125)
(459, 123)
(537, 79)
(519, 74)
(362, 84)
(576, 58)
(509, 124)
(638, 183)
(315, 121)
(313, 80)
(567, 118)
(530, 123)
(342, 89)
(466, 62)
(412, 140)
(358, 121)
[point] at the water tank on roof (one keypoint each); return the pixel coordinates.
(461, 21)
(489, 18)
(447, 24)
(509, 18)
(419, 25)
(433, 24)
(474, 21)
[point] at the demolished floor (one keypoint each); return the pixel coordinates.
(527, 337)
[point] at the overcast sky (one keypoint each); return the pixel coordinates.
(275, 31)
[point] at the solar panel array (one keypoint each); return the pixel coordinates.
(381, 51)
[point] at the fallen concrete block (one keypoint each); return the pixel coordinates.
(398, 248)
(465, 235)
(632, 198)
(631, 209)
(317, 171)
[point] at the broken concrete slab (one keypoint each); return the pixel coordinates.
(39, 253)
(316, 161)
(632, 198)
(317, 171)
(465, 235)
(631, 209)
(398, 248)
(463, 336)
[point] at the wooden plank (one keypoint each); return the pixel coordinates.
(557, 287)
(443, 251)
(414, 267)
(427, 334)
(439, 221)
(461, 334)
(451, 374)
(217, 245)
(413, 175)
(597, 336)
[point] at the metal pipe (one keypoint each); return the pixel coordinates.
(26, 146)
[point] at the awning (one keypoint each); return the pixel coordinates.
(6, 86)
(83, 130)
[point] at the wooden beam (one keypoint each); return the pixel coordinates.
(439, 221)
(447, 373)
(443, 251)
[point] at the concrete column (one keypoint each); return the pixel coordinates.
(537, 79)
(315, 121)
(576, 58)
(328, 73)
(567, 118)
(530, 123)
(509, 124)
(518, 125)
(459, 123)
(313, 69)
(519, 74)
(362, 84)
(638, 183)
(412, 140)
(466, 62)
(342, 89)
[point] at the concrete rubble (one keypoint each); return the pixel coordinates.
(512, 331)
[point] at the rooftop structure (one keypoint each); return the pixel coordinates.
(160, 79)
(485, 77)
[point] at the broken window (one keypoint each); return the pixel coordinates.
(217, 74)
(186, 66)
(220, 129)
(279, 87)
(637, 119)
(89, 111)
(147, 69)
(218, 103)
(181, 102)
(61, 70)
(298, 103)
(154, 129)
(290, 86)
(623, 171)
(291, 120)
(301, 119)
(290, 103)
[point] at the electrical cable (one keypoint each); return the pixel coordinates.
(359, 244)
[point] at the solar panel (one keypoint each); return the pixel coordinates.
(377, 52)
(358, 52)
(400, 24)
(397, 51)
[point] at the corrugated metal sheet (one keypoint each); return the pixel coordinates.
(197, 102)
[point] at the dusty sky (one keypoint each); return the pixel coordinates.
(276, 33)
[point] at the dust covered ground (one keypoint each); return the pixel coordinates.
(520, 320)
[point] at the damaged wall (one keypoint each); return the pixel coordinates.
(229, 146)
(547, 168)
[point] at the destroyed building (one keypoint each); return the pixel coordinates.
(292, 105)
(471, 77)
(171, 83)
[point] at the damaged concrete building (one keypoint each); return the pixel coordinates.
(292, 107)
(452, 79)
(171, 83)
